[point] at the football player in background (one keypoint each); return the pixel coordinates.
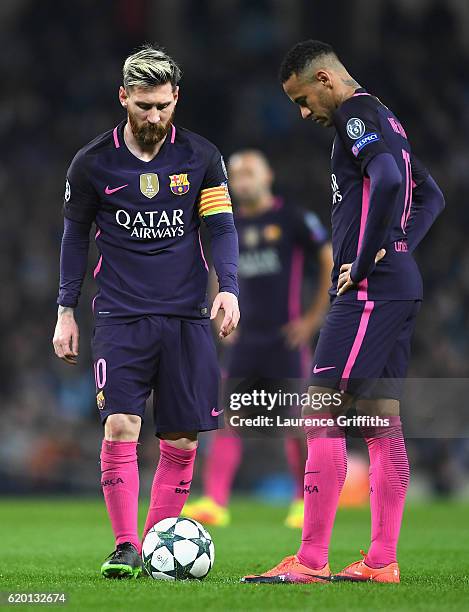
(273, 341)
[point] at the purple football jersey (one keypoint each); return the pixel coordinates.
(365, 129)
(147, 216)
(272, 249)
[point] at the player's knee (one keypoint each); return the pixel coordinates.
(325, 401)
(124, 427)
(186, 440)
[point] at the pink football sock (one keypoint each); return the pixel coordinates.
(171, 484)
(120, 484)
(325, 472)
(220, 467)
(296, 462)
(389, 479)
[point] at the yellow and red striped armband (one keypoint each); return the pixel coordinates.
(214, 200)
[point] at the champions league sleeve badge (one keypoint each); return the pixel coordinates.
(355, 128)
(68, 191)
(179, 184)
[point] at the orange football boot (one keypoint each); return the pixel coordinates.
(361, 572)
(291, 571)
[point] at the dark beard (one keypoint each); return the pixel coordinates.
(149, 134)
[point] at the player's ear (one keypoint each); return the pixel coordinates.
(123, 96)
(324, 78)
(176, 94)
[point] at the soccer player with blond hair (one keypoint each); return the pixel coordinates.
(146, 184)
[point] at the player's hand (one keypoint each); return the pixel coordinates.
(345, 281)
(66, 336)
(232, 339)
(298, 333)
(227, 302)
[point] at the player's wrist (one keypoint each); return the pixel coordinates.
(356, 274)
(66, 311)
(311, 317)
(229, 290)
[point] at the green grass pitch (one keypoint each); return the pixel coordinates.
(57, 545)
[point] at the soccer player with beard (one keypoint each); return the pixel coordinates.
(145, 185)
(384, 202)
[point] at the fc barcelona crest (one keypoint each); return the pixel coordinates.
(272, 233)
(179, 184)
(100, 400)
(149, 184)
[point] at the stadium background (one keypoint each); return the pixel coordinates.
(61, 66)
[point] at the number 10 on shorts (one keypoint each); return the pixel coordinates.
(100, 373)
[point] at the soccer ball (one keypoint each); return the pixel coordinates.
(178, 549)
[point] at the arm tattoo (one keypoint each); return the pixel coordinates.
(65, 310)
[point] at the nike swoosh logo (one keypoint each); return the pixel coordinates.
(283, 577)
(316, 370)
(108, 190)
(182, 482)
(325, 578)
(216, 412)
(317, 472)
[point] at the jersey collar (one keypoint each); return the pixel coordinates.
(119, 143)
(361, 91)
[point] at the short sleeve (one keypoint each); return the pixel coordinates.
(80, 199)
(214, 196)
(358, 126)
(308, 229)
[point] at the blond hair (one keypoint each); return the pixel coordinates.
(149, 67)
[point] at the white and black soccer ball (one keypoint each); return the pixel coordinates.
(178, 549)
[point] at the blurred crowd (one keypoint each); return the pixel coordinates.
(61, 66)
